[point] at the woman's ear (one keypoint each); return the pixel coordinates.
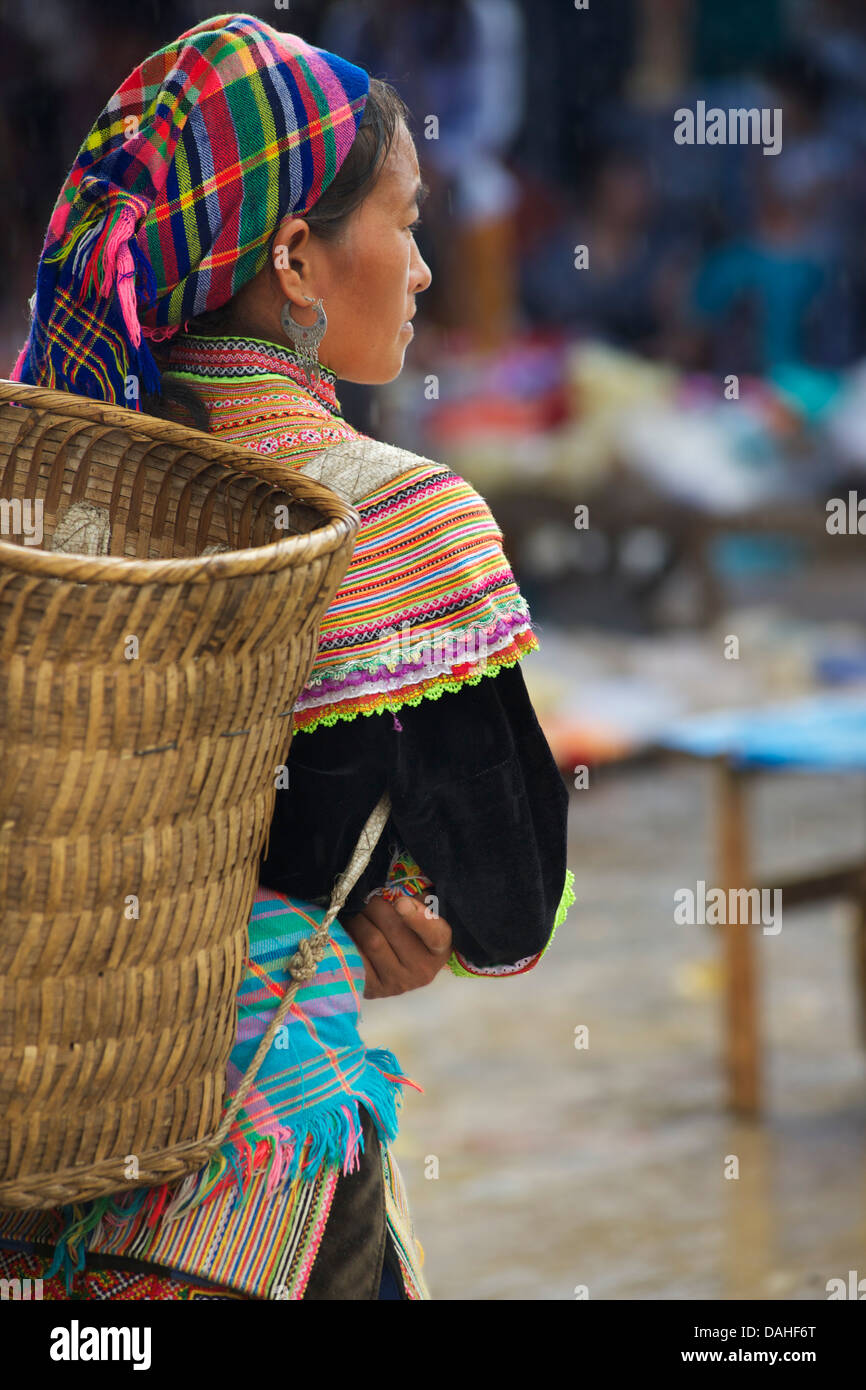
(291, 260)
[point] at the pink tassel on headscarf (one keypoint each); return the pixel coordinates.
(118, 269)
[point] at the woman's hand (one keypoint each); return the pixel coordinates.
(402, 948)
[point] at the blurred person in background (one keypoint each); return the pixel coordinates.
(631, 266)
(777, 292)
(462, 61)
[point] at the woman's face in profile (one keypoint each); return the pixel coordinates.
(368, 278)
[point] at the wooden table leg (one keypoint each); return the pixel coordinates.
(742, 1043)
(860, 954)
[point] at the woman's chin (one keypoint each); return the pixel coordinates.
(379, 372)
(392, 369)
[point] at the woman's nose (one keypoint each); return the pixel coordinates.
(420, 274)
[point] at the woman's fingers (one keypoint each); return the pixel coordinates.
(373, 987)
(419, 942)
(397, 956)
(400, 959)
(434, 931)
(383, 973)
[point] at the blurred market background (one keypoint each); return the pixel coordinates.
(659, 434)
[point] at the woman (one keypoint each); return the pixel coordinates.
(192, 221)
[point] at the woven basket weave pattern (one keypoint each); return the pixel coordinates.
(137, 791)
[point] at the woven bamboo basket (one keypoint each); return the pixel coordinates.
(151, 649)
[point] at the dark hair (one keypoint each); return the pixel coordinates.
(383, 111)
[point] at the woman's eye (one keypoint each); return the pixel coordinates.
(413, 226)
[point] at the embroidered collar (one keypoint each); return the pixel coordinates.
(224, 356)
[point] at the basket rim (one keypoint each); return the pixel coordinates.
(340, 519)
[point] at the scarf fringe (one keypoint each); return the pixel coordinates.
(326, 1134)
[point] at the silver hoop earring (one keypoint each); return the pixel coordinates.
(305, 340)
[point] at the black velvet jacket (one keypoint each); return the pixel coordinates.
(476, 799)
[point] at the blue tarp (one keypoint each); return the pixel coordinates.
(823, 732)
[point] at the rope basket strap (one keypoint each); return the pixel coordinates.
(305, 961)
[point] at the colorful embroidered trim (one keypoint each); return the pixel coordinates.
(102, 1285)
(236, 360)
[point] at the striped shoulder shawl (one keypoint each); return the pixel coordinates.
(429, 601)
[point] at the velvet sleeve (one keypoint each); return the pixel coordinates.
(476, 799)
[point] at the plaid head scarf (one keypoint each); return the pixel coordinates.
(168, 209)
